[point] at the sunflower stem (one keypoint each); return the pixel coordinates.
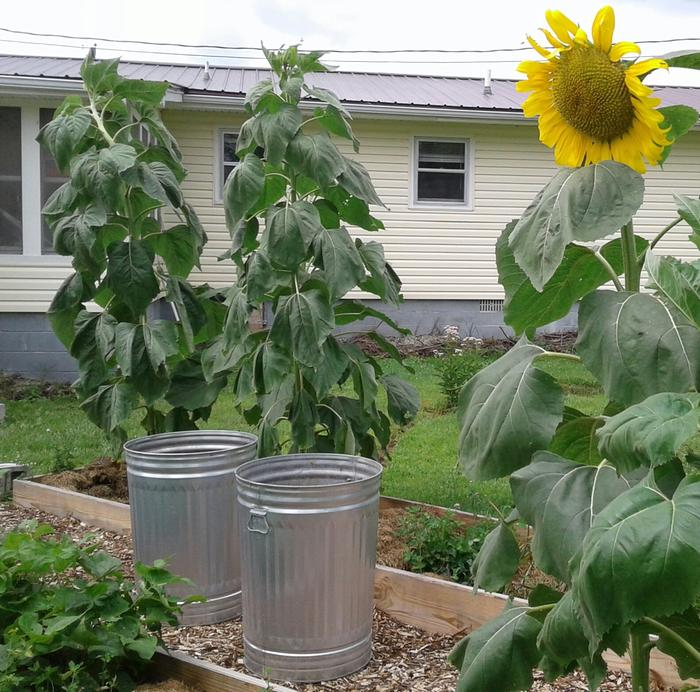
(640, 650)
(629, 259)
(610, 269)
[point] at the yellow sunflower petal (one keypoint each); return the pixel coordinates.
(623, 48)
(643, 66)
(581, 37)
(603, 28)
(542, 51)
(553, 41)
(561, 25)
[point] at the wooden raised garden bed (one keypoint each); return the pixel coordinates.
(433, 605)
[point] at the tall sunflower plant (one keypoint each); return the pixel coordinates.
(613, 499)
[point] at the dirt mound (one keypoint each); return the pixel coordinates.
(103, 478)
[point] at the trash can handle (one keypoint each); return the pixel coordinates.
(257, 521)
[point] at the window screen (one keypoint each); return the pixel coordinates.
(10, 180)
(51, 180)
(441, 172)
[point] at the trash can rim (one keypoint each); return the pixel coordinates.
(134, 446)
(378, 470)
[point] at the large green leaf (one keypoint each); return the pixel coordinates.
(578, 274)
(236, 325)
(678, 282)
(98, 173)
(584, 204)
(66, 305)
(508, 410)
(276, 131)
(356, 180)
(351, 209)
(640, 558)
(63, 135)
(498, 559)
(500, 655)
(689, 211)
(289, 232)
(141, 351)
(561, 499)
(242, 189)
(563, 641)
(636, 345)
(338, 256)
(383, 280)
(687, 625)
(576, 440)
(650, 433)
(690, 60)
(364, 376)
(316, 157)
(111, 405)
(130, 274)
(190, 389)
(349, 311)
(303, 321)
(190, 312)
(178, 247)
(678, 120)
(403, 400)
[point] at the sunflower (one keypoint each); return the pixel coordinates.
(592, 106)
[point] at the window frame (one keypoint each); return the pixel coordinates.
(31, 253)
(468, 203)
(218, 196)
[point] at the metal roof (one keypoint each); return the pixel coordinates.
(351, 87)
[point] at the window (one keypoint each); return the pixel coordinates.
(10, 180)
(226, 160)
(51, 180)
(441, 172)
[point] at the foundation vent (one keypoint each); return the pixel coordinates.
(491, 305)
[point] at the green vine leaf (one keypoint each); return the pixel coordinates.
(636, 345)
(560, 500)
(583, 204)
(508, 410)
(650, 433)
(640, 527)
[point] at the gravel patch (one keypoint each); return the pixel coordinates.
(405, 658)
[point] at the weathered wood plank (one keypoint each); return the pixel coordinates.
(105, 514)
(208, 676)
(386, 502)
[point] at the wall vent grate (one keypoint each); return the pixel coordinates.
(491, 305)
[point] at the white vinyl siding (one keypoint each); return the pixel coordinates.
(439, 252)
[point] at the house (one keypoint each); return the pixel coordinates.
(452, 160)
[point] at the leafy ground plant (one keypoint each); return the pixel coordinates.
(295, 184)
(69, 620)
(614, 499)
(440, 544)
(125, 172)
(454, 369)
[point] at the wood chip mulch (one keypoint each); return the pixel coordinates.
(405, 658)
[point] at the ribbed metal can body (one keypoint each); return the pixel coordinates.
(308, 526)
(182, 494)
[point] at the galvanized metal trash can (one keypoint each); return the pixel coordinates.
(183, 509)
(308, 526)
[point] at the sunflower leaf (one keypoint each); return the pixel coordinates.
(583, 204)
(678, 119)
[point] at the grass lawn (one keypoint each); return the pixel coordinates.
(46, 434)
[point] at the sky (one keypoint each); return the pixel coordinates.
(339, 25)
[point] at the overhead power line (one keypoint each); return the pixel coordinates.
(330, 50)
